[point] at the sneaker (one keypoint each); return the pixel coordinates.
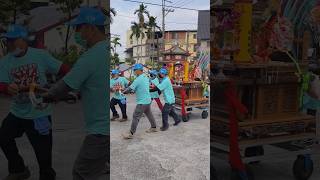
(114, 118)
(19, 176)
(151, 130)
(127, 135)
(177, 122)
(164, 128)
(123, 120)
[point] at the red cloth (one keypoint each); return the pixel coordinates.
(4, 88)
(234, 105)
(159, 103)
(64, 69)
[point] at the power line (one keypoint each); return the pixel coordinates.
(170, 22)
(175, 7)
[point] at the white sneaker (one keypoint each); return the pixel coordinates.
(151, 130)
(127, 135)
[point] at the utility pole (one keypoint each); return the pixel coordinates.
(165, 12)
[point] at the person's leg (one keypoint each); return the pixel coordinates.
(123, 107)
(174, 115)
(92, 159)
(165, 116)
(159, 103)
(113, 104)
(11, 129)
(137, 114)
(39, 133)
(149, 115)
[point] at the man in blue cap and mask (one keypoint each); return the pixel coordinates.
(143, 99)
(21, 67)
(168, 109)
(116, 85)
(90, 76)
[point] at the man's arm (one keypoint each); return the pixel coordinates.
(161, 86)
(59, 91)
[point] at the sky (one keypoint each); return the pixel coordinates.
(178, 20)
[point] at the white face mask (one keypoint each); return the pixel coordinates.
(16, 52)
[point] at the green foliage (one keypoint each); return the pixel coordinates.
(69, 58)
(115, 60)
(130, 61)
(67, 7)
(114, 43)
(10, 9)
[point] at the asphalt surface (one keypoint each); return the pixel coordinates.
(68, 134)
(181, 153)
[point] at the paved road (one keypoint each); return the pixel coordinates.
(181, 153)
(68, 135)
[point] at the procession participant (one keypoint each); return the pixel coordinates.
(21, 67)
(143, 100)
(118, 83)
(89, 75)
(155, 95)
(168, 109)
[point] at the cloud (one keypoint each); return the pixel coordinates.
(174, 21)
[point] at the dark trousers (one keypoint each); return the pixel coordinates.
(14, 127)
(93, 161)
(123, 107)
(168, 109)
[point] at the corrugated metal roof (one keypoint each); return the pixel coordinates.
(203, 25)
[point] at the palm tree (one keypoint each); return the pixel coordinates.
(115, 42)
(137, 31)
(141, 12)
(110, 13)
(151, 29)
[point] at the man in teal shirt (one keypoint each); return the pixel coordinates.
(168, 109)
(155, 95)
(141, 87)
(116, 85)
(20, 68)
(90, 76)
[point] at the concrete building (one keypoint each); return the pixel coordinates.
(204, 30)
(148, 49)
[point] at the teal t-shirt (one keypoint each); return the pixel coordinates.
(142, 89)
(35, 64)
(166, 87)
(90, 76)
(124, 83)
(154, 94)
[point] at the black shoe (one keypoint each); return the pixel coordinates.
(115, 117)
(19, 176)
(177, 122)
(164, 128)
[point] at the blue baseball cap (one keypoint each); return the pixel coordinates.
(89, 15)
(115, 71)
(138, 67)
(163, 71)
(153, 72)
(16, 31)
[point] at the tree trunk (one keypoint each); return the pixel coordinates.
(137, 51)
(15, 14)
(67, 36)
(141, 48)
